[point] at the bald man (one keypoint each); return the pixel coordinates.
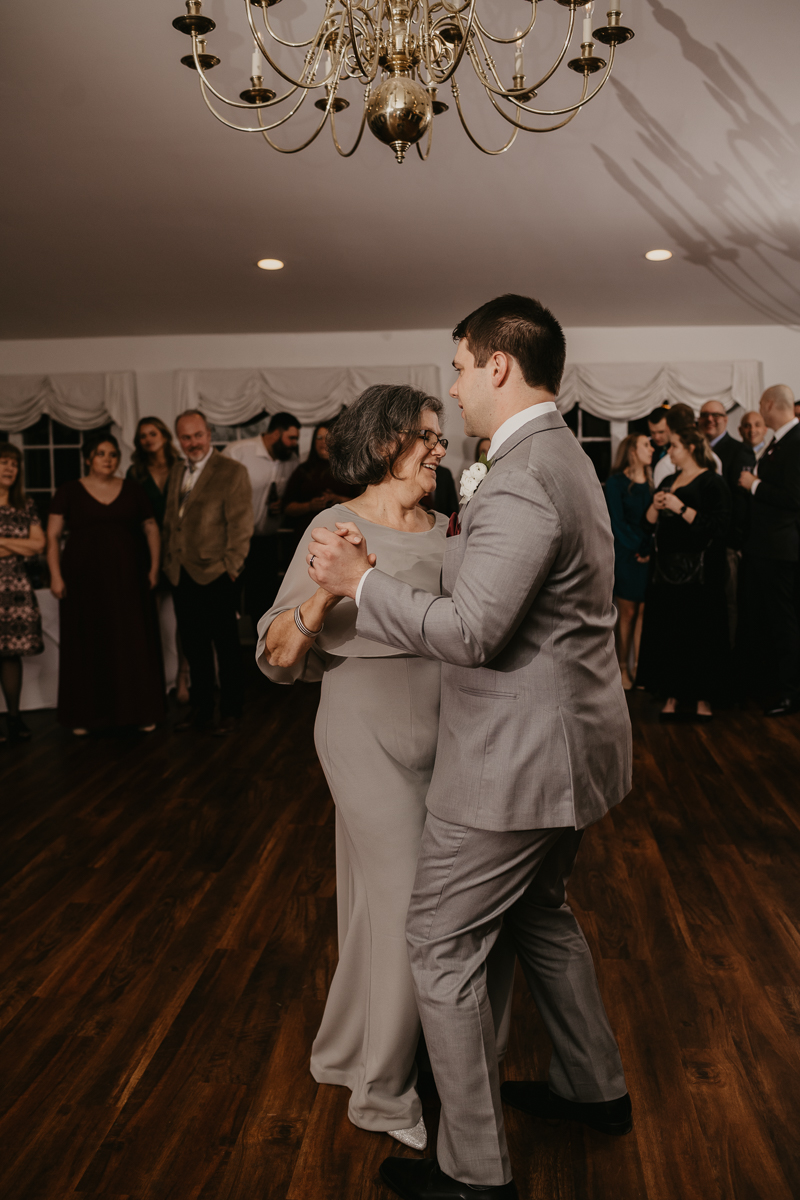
(733, 454)
(769, 574)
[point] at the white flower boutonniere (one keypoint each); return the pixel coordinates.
(471, 479)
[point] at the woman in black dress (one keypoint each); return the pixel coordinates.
(21, 537)
(110, 670)
(151, 462)
(685, 648)
(313, 487)
(629, 493)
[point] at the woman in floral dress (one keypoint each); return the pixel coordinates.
(21, 536)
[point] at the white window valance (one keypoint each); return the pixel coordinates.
(80, 401)
(312, 394)
(628, 391)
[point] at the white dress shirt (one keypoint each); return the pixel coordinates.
(516, 422)
(779, 433)
(264, 470)
(191, 474)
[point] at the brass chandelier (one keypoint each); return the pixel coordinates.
(400, 52)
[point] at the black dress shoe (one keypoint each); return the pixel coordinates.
(536, 1099)
(782, 709)
(199, 724)
(421, 1179)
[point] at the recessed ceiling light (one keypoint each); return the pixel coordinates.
(653, 255)
(270, 264)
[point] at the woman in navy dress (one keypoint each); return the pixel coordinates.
(629, 493)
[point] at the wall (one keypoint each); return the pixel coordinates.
(155, 358)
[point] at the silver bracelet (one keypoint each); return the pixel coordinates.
(309, 633)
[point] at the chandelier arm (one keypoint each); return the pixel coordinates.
(551, 112)
(456, 63)
(531, 128)
(517, 36)
(295, 149)
(300, 83)
(560, 59)
(426, 155)
(276, 37)
(250, 128)
(468, 132)
(239, 103)
(373, 71)
(362, 127)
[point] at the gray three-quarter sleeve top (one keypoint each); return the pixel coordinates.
(414, 558)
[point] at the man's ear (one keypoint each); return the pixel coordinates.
(500, 367)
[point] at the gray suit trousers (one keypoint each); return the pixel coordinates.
(470, 885)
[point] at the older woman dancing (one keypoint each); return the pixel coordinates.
(376, 739)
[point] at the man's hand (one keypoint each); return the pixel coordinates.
(747, 479)
(339, 559)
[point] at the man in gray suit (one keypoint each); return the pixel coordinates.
(534, 745)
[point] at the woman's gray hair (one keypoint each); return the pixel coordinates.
(366, 441)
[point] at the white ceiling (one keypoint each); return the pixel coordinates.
(127, 209)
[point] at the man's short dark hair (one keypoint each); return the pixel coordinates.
(525, 330)
(282, 421)
(658, 415)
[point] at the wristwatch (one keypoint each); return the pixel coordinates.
(683, 510)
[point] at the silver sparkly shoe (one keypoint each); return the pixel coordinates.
(416, 1138)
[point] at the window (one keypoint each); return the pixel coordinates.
(52, 456)
(221, 435)
(594, 435)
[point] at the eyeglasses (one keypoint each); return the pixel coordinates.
(431, 439)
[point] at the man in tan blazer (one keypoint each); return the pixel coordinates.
(207, 528)
(534, 745)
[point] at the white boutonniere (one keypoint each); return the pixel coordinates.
(472, 478)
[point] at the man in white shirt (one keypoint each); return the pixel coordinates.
(754, 433)
(269, 460)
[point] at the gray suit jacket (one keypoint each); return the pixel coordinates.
(534, 730)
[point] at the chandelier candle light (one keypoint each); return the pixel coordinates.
(399, 53)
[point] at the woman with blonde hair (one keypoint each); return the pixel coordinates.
(21, 537)
(629, 492)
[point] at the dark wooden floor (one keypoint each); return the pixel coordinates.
(168, 936)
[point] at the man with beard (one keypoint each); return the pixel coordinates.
(269, 460)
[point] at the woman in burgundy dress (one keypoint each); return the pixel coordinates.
(110, 669)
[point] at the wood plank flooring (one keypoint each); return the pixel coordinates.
(168, 937)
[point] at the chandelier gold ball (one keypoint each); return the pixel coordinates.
(399, 113)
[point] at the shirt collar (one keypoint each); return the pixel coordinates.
(516, 422)
(718, 438)
(784, 429)
(198, 467)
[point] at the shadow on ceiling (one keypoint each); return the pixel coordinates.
(753, 206)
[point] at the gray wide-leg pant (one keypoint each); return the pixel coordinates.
(470, 883)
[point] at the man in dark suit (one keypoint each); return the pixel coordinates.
(735, 457)
(733, 454)
(772, 549)
(659, 433)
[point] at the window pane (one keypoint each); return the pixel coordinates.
(37, 469)
(64, 436)
(91, 435)
(67, 464)
(572, 418)
(595, 426)
(38, 434)
(600, 454)
(42, 502)
(220, 434)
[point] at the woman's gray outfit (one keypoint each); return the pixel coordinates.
(375, 735)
